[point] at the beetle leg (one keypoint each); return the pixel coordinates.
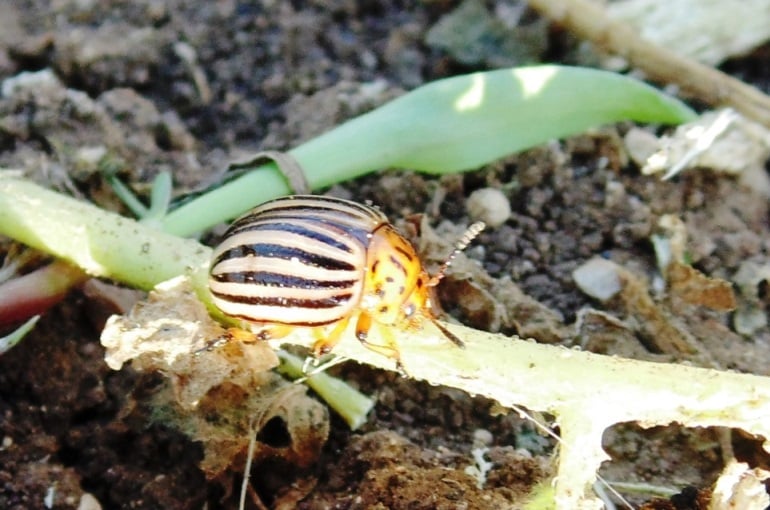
(271, 332)
(213, 344)
(362, 327)
(325, 342)
(388, 349)
(244, 336)
(230, 334)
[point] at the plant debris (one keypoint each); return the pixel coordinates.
(220, 396)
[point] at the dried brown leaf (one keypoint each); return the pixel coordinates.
(656, 328)
(220, 396)
(693, 287)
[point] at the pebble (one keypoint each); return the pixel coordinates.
(489, 205)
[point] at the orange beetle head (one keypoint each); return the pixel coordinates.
(396, 289)
(420, 303)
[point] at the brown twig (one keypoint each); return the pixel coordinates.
(589, 20)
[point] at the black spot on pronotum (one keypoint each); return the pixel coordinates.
(397, 263)
(404, 252)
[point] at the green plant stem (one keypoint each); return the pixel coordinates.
(586, 392)
(101, 243)
(12, 339)
(352, 405)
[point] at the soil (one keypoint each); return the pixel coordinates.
(189, 86)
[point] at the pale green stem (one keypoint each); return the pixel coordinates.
(352, 405)
(10, 340)
(102, 243)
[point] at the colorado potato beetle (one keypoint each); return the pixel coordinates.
(317, 262)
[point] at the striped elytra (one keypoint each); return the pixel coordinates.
(318, 262)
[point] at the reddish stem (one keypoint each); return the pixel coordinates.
(35, 292)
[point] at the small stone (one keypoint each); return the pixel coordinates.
(482, 437)
(489, 205)
(89, 502)
(599, 278)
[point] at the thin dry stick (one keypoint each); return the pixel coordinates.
(589, 20)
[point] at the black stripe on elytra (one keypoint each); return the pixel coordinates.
(365, 209)
(284, 253)
(284, 302)
(315, 210)
(305, 324)
(293, 228)
(269, 279)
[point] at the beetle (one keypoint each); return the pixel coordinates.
(318, 262)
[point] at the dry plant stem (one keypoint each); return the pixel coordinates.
(588, 20)
(587, 393)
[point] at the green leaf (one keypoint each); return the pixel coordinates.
(448, 126)
(462, 123)
(9, 341)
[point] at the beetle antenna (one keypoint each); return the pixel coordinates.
(451, 336)
(469, 235)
